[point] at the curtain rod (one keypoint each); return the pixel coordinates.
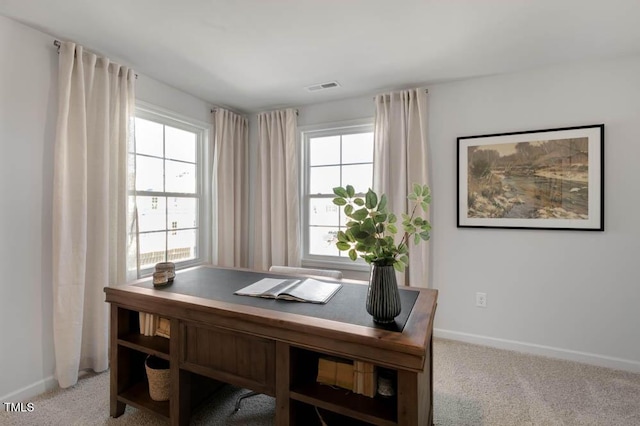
(213, 110)
(58, 44)
(216, 108)
(389, 94)
(273, 110)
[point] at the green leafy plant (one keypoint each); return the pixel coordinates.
(372, 229)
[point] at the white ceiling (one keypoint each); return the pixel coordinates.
(255, 55)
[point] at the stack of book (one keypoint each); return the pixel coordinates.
(357, 376)
(364, 378)
(335, 372)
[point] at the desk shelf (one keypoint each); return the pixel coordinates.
(151, 345)
(377, 411)
(138, 396)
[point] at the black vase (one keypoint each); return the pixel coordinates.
(383, 296)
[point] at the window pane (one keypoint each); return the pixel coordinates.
(180, 144)
(182, 245)
(152, 213)
(180, 177)
(148, 174)
(344, 218)
(324, 150)
(357, 148)
(360, 177)
(322, 211)
(182, 212)
(322, 180)
(322, 240)
(152, 249)
(148, 137)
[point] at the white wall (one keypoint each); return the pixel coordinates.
(566, 294)
(27, 128)
(562, 290)
(333, 112)
(28, 111)
(159, 94)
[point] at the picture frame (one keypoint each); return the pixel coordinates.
(538, 179)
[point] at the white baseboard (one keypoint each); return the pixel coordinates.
(23, 395)
(530, 348)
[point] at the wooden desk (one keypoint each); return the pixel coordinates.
(271, 352)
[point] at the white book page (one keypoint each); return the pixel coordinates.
(314, 291)
(263, 287)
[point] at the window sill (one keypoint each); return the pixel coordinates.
(342, 265)
(147, 272)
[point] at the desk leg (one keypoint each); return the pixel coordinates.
(116, 408)
(415, 396)
(180, 403)
(430, 355)
(283, 382)
(408, 403)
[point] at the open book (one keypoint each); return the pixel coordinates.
(300, 290)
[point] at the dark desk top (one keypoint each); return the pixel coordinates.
(347, 305)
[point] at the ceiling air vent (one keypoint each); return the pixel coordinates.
(322, 86)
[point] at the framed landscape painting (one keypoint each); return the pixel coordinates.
(543, 179)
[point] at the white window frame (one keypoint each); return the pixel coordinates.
(203, 182)
(306, 133)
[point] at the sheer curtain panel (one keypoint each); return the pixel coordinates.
(277, 223)
(90, 213)
(401, 159)
(230, 186)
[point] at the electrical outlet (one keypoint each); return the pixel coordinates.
(481, 300)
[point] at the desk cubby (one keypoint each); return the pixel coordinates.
(137, 395)
(128, 366)
(133, 387)
(304, 389)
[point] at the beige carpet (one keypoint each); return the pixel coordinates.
(473, 385)
(476, 385)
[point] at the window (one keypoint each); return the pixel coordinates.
(337, 155)
(169, 178)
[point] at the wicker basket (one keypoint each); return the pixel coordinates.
(158, 374)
